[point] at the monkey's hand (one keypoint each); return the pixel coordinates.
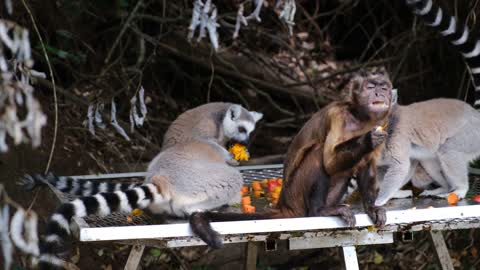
(343, 211)
(378, 215)
(377, 137)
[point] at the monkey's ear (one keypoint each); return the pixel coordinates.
(394, 96)
(234, 112)
(256, 116)
(353, 85)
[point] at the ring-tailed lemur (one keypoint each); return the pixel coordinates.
(192, 174)
(458, 34)
(430, 134)
(442, 135)
(205, 121)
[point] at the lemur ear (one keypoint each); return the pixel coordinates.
(234, 112)
(394, 97)
(256, 116)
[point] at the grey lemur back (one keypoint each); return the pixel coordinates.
(209, 121)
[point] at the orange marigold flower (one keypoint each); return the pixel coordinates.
(239, 152)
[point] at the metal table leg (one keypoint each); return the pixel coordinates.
(134, 258)
(251, 256)
(441, 250)
(350, 258)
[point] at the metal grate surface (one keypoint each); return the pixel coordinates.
(121, 219)
(249, 174)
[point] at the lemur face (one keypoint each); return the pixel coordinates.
(238, 123)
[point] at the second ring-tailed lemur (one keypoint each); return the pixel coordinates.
(193, 173)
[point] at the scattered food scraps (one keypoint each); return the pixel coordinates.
(256, 186)
(136, 212)
(452, 198)
(246, 200)
(248, 208)
(244, 191)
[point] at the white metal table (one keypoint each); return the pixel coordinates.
(403, 215)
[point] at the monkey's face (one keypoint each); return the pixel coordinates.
(375, 95)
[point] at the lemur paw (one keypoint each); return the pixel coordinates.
(232, 162)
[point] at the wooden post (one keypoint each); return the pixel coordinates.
(251, 256)
(350, 261)
(134, 258)
(441, 250)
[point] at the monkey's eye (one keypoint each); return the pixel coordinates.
(242, 130)
(370, 86)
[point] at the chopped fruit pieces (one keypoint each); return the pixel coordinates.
(256, 186)
(246, 200)
(248, 209)
(272, 185)
(136, 212)
(452, 198)
(264, 183)
(477, 198)
(244, 191)
(268, 189)
(258, 193)
(239, 152)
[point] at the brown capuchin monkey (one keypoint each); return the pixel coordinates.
(341, 141)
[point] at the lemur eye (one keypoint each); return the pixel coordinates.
(242, 130)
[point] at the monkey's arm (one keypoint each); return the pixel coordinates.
(345, 148)
(368, 187)
(341, 156)
(321, 192)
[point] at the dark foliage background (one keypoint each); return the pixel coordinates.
(104, 49)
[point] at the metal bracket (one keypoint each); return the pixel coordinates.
(350, 261)
(339, 239)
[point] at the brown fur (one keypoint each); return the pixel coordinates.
(314, 149)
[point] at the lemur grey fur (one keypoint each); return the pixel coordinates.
(442, 135)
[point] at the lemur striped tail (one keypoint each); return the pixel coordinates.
(458, 34)
(102, 204)
(72, 186)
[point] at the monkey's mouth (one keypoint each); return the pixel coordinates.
(378, 105)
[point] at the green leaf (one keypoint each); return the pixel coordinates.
(378, 258)
(155, 252)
